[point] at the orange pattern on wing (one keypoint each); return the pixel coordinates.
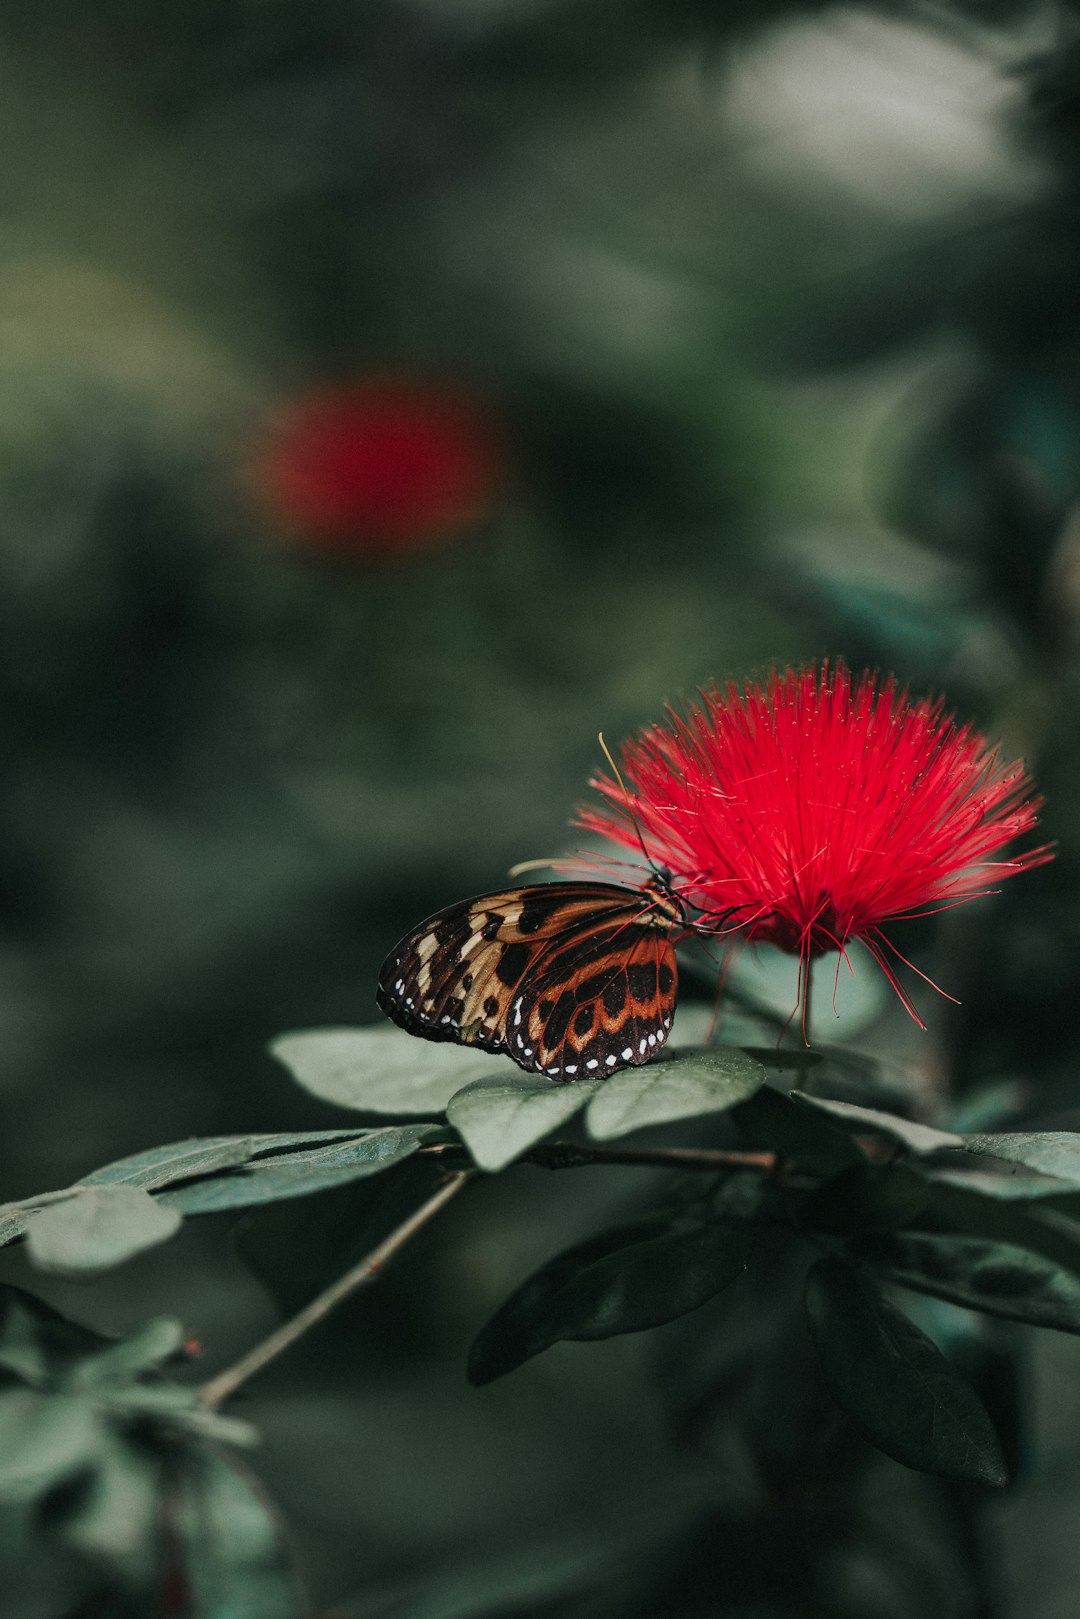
(571, 980)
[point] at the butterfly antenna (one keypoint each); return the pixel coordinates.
(534, 865)
(649, 861)
(578, 857)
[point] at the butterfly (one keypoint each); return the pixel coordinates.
(573, 980)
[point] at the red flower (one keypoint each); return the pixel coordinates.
(381, 465)
(815, 810)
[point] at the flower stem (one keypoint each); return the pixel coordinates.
(220, 1388)
(807, 984)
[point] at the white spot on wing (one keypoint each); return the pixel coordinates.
(610, 1061)
(592, 1063)
(628, 1053)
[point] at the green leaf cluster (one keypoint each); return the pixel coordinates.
(113, 1478)
(118, 1211)
(981, 1220)
(885, 1202)
(871, 1204)
(499, 1112)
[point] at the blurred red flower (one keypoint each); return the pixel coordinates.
(816, 809)
(380, 466)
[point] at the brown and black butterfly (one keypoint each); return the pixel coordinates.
(573, 980)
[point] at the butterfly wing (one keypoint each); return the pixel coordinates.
(469, 972)
(602, 1001)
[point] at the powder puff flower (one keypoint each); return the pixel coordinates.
(817, 809)
(381, 466)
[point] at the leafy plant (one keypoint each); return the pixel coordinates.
(126, 1469)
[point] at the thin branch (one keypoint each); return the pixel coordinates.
(568, 1155)
(220, 1388)
(565, 1155)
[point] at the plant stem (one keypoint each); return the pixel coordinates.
(568, 1155)
(564, 1155)
(220, 1388)
(807, 984)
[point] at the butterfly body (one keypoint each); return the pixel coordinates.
(573, 980)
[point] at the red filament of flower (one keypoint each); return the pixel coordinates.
(815, 809)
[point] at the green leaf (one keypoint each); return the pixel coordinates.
(1010, 1187)
(232, 1554)
(37, 1343)
(624, 1280)
(144, 1350)
(96, 1228)
(383, 1069)
(806, 1136)
(1051, 1152)
(161, 1166)
(185, 1160)
(114, 1520)
(895, 1383)
(12, 1223)
(179, 1160)
(171, 1409)
(998, 1278)
(918, 1138)
(498, 1122)
(683, 1085)
(264, 1180)
(44, 1439)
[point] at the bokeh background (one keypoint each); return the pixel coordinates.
(392, 396)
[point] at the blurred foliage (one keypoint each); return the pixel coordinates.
(771, 308)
